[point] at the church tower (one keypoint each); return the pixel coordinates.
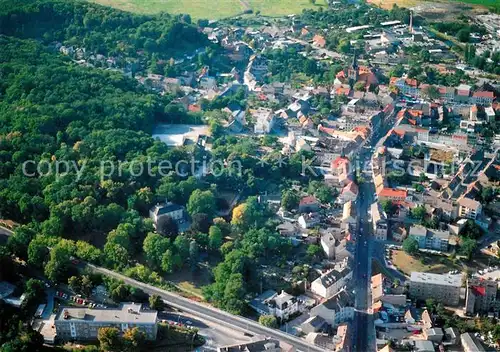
(353, 71)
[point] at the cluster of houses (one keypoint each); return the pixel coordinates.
(399, 320)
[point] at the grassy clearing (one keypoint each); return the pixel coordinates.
(213, 9)
(423, 263)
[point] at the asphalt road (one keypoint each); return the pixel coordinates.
(362, 320)
(207, 313)
(5, 231)
(214, 334)
(363, 339)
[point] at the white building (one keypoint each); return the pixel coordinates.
(175, 211)
(379, 222)
(331, 282)
(264, 120)
(283, 305)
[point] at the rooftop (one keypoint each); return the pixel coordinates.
(126, 313)
(437, 279)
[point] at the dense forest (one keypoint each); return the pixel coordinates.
(56, 113)
(99, 29)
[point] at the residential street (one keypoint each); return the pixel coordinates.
(363, 323)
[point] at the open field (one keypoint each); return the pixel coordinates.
(212, 9)
(425, 262)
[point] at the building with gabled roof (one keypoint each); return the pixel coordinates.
(334, 280)
(336, 310)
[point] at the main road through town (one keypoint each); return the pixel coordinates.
(363, 336)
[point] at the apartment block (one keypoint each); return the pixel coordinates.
(481, 295)
(83, 324)
(430, 239)
(442, 288)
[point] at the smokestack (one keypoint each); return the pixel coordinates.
(411, 21)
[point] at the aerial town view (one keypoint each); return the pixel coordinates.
(249, 175)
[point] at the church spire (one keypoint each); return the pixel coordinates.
(355, 60)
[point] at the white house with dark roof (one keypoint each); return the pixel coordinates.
(174, 211)
(334, 280)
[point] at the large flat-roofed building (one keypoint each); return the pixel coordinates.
(443, 288)
(470, 343)
(268, 345)
(84, 323)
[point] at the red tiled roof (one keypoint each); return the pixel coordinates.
(484, 94)
(339, 162)
(411, 82)
(393, 193)
(351, 187)
(308, 200)
(319, 40)
(194, 108)
(479, 291)
(416, 113)
(326, 130)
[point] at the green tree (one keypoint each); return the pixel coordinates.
(171, 261)
(430, 304)
(154, 248)
(75, 284)
(410, 246)
(215, 238)
(269, 321)
(120, 293)
(19, 241)
(134, 339)
(194, 254)
(289, 200)
(110, 339)
(467, 247)
(37, 252)
(419, 212)
(156, 303)
(181, 244)
(388, 206)
(464, 35)
(167, 226)
(58, 264)
(201, 202)
(313, 251)
(432, 93)
(34, 294)
(471, 230)
(359, 86)
(397, 71)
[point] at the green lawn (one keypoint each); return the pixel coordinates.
(213, 9)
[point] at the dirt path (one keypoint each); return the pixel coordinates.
(245, 4)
